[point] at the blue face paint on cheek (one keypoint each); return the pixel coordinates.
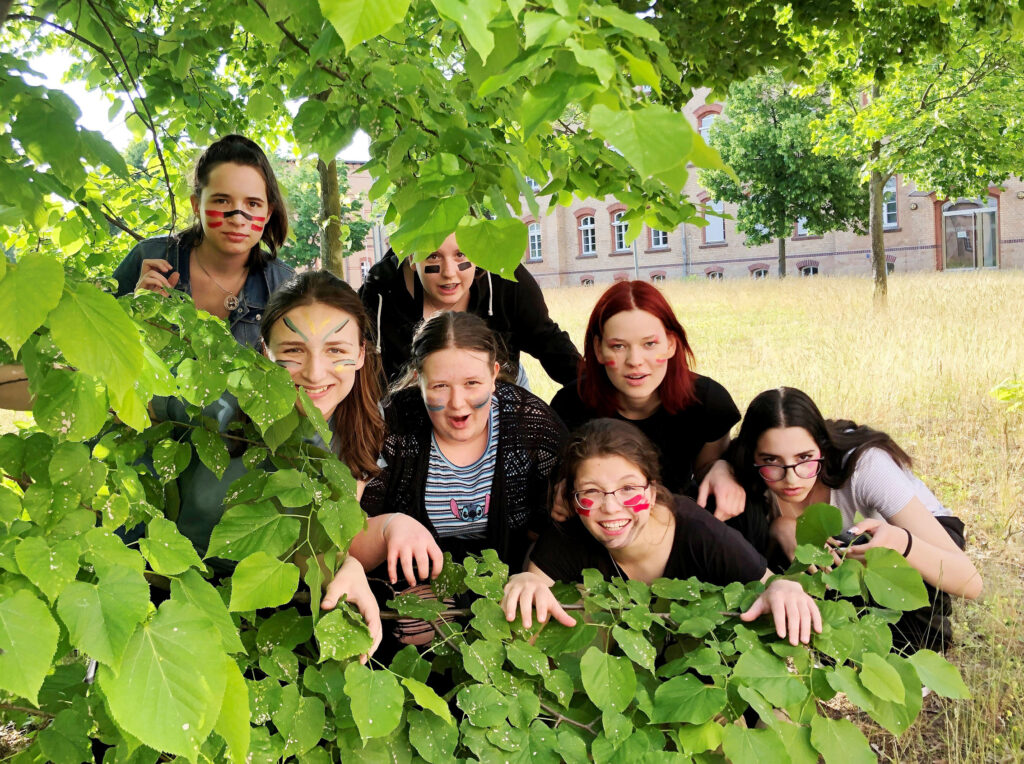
(287, 364)
(482, 403)
(434, 409)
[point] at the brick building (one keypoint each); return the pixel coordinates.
(585, 244)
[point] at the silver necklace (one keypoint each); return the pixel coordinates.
(231, 301)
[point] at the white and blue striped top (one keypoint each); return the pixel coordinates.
(458, 498)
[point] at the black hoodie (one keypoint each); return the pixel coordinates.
(514, 310)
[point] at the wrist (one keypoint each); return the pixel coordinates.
(910, 544)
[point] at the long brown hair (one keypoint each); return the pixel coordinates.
(453, 329)
(357, 422)
(610, 437)
(237, 149)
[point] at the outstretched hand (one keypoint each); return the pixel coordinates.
(409, 542)
(151, 277)
(350, 583)
(794, 611)
(528, 591)
(730, 498)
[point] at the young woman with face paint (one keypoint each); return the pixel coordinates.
(221, 261)
(628, 525)
(637, 367)
(398, 295)
(467, 459)
(788, 456)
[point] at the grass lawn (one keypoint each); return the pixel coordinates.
(923, 371)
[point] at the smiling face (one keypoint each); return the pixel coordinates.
(634, 350)
(457, 386)
(231, 188)
(446, 276)
(788, 445)
(613, 524)
(319, 346)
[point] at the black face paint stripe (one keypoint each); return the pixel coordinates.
(465, 265)
(431, 268)
(243, 213)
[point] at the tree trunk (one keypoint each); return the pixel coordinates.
(782, 257)
(332, 250)
(876, 188)
(5, 8)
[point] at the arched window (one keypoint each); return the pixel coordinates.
(587, 281)
(714, 231)
(704, 126)
(588, 236)
(619, 228)
(535, 242)
(658, 277)
(714, 272)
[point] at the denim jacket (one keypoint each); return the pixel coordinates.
(244, 321)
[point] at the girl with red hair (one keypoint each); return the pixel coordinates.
(637, 366)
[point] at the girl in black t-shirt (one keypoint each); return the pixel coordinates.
(628, 525)
(637, 367)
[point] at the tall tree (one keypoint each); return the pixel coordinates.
(766, 139)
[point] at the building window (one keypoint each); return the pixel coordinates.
(587, 281)
(620, 276)
(759, 273)
(809, 270)
(714, 275)
(890, 218)
(535, 248)
(704, 126)
(534, 185)
(658, 277)
(801, 227)
(588, 236)
(971, 231)
(659, 239)
(364, 269)
(619, 228)
(714, 231)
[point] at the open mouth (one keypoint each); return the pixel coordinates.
(636, 379)
(459, 422)
(316, 392)
(448, 288)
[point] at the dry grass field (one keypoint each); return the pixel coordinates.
(922, 370)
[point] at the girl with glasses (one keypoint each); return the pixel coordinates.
(638, 367)
(788, 456)
(628, 525)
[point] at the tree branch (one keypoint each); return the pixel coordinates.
(560, 717)
(24, 710)
(119, 223)
(298, 44)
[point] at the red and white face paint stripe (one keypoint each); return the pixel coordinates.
(638, 503)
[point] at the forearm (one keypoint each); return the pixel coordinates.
(14, 392)
(369, 546)
(946, 570)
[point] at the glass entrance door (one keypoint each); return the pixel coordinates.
(970, 234)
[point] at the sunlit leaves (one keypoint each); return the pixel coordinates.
(376, 699)
(28, 292)
(939, 674)
(172, 696)
(489, 243)
(167, 551)
(893, 583)
(248, 528)
(610, 681)
(262, 581)
(341, 635)
(28, 641)
(358, 21)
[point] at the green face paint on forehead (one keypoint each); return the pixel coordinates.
(338, 328)
(291, 325)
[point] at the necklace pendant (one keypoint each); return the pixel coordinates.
(231, 302)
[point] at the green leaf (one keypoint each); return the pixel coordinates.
(433, 738)
(817, 523)
(528, 658)
(377, 700)
(424, 228)
(300, 720)
(171, 697)
(200, 383)
(676, 589)
(483, 704)
(211, 450)
(193, 589)
(262, 581)
(66, 739)
(429, 700)
(50, 568)
(942, 676)
(233, 720)
(489, 619)
(248, 528)
(483, 659)
(291, 487)
(892, 582)
(167, 551)
(881, 679)
(342, 634)
(472, 17)
(101, 618)
(266, 395)
(609, 680)
(28, 642)
(70, 405)
(29, 291)
(170, 459)
(839, 740)
(769, 676)
(411, 605)
(636, 646)
(10, 505)
(495, 245)
(357, 21)
(97, 337)
(742, 745)
(687, 699)
(698, 738)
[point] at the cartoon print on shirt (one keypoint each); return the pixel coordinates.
(471, 511)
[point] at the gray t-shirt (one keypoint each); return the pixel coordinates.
(880, 488)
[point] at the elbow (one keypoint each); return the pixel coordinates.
(974, 586)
